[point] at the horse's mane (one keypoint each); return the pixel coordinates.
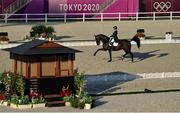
(102, 35)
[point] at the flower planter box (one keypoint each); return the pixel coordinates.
(13, 105)
(4, 42)
(67, 104)
(87, 106)
(28, 106)
(5, 103)
(39, 105)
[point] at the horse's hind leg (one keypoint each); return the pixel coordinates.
(124, 54)
(132, 58)
(110, 55)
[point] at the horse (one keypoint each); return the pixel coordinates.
(122, 44)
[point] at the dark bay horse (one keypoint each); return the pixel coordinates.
(122, 44)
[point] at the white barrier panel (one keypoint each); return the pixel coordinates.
(126, 77)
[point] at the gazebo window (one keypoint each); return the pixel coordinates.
(48, 66)
(19, 67)
(64, 65)
(33, 70)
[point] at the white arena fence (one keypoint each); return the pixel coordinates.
(65, 17)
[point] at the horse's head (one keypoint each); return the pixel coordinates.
(97, 38)
(101, 38)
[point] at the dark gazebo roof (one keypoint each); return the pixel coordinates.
(40, 47)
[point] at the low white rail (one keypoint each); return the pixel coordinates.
(64, 17)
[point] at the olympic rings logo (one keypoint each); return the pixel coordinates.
(162, 6)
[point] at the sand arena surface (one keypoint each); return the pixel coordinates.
(148, 59)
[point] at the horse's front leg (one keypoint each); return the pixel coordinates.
(98, 50)
(110, 55)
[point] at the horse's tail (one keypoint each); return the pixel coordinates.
(137, 40)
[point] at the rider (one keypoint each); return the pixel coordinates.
(114, 36)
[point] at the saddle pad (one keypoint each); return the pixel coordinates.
(115, 44)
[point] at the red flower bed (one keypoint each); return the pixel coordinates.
(4, 38)
(2, 97)
(35, 95)
(65, 92)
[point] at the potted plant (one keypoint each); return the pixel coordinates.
(24, 103)
(4, 40)
(20, 102)
(14, 101)
(88, 102)
(43, 31)
(74, 101)
(38, 102)
(5, 103)
(67, 100)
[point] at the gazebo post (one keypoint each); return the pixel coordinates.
(27, 71)
(38, 70)
(15, 66)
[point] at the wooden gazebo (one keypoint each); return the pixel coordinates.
(46, 65)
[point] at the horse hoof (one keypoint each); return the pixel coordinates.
(94, 55)
(109, 60)
(122, 58)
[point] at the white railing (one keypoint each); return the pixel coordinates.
(64, 17)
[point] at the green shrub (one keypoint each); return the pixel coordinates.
(14, 99)
(67, 98)
(14, 83)
(24, 100)
(74, 101)
(88, 99)
(20, 85)
(38, 30)
(38, 100)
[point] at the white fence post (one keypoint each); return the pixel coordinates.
(137, 16)
(65, 16)
(46, 18)
(171, 16)
(6, 15)
(101, 17)
(83, 17)
(119, 16)
(26, 18)
(154, 16)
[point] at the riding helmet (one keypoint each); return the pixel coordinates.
(115, 27)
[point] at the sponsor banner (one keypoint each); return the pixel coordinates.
(74, 6)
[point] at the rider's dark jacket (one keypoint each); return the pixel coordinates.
(114, 35)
